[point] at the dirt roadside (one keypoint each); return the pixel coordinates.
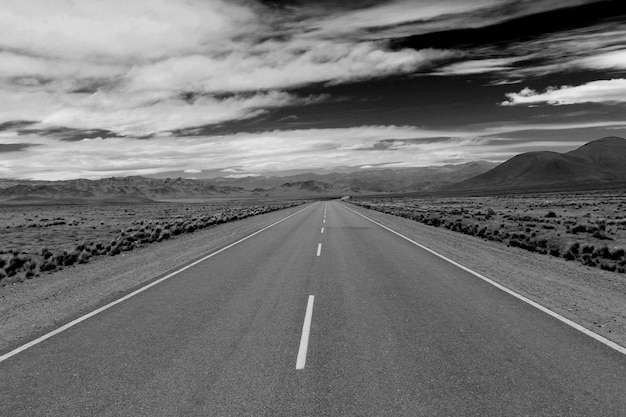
(591, 297)
(34, 307)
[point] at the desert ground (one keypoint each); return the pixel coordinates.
(586, 227)
(38, 239)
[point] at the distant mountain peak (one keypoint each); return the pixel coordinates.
(600, 163)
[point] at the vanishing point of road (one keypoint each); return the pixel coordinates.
(325, 313)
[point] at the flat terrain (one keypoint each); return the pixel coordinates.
(38, 239)
(586, 227)
(395, 331)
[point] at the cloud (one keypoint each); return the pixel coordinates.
(14, 147)
(274, 151)
(118, 30)
(278, 65)
(397, 18)
(602, 91)
(598, 47)
(479, 66)
(142, 113)
(251, 153)
(393, 14)
(126, 67)
(611, 60)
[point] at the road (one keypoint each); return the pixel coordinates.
(394, 331)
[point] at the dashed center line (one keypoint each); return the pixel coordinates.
(319, 249)
(304, 339)
(322, 230)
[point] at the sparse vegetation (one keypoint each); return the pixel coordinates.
(587, 228)
(34, 245)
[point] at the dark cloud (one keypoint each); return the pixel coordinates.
(399, 144)
(14, 147)
(15, 124)
(68, 134)
(326, 5)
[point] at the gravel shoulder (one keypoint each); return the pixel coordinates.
(594, 298)
(34, 307)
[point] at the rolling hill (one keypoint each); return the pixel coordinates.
(371, 180)
(307, 189)
(141, 189)
(597, 164)
(121, 189)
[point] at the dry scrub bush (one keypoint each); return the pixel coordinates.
(48, 261)
(603, 257)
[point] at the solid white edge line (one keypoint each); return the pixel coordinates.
(304, 339)
(132, 294)
(319, 249)
(590, 333)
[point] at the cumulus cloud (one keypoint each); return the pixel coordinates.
(115, 30)
(602, 91)
(124, 66)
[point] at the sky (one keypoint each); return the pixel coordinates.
(206, 88)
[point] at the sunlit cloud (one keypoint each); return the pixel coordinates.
(273, 151)
(399, 18)
(96, 88)
(128, 77)
(121, 31)
(479, 66)
(602, 91)
(599, 47)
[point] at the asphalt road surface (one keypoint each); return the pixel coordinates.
(391, 330)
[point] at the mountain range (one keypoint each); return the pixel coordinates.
(138, 189)
(599, 164)
(371, 180)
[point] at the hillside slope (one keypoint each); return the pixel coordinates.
(597, 164)
(107, 188)
(371, 180)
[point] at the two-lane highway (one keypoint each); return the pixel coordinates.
(392, 331)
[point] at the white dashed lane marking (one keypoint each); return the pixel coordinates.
(304, 339)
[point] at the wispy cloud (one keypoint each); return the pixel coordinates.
(598, 47)
(479, 66)
(399, 18)
(274, 151)
(602, 91)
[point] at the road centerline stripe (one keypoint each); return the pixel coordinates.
(140, 290)
(319, 249)
(322, 230)
(304, 339)
(565, 320)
